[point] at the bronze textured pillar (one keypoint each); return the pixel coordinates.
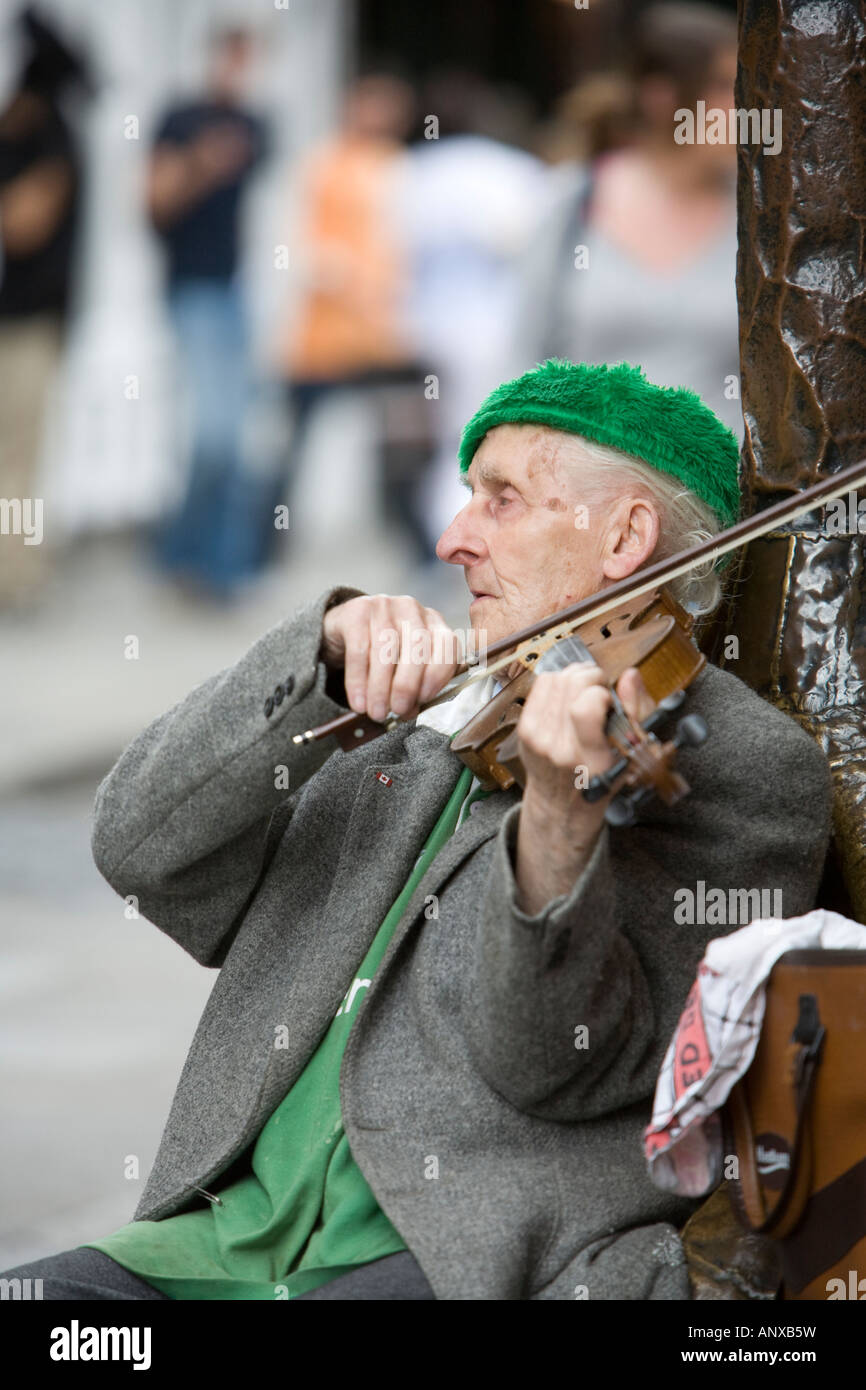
(800, 610)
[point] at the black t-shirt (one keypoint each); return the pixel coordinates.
(39, 283)
(203, 241)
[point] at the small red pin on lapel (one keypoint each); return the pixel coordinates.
(384, 779)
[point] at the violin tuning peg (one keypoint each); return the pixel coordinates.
(665, 706)
(601, 784)
(652, 721)
(621, 812)
(691, 732)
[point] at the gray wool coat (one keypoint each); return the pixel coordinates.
(464, 1048)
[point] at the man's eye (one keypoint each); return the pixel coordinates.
(503, 501)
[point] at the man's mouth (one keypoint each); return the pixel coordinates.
(478, 593)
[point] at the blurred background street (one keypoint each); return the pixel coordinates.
(259, 263)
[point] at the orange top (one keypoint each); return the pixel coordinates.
(350, 312)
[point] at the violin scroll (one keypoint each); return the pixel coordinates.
(691, 731)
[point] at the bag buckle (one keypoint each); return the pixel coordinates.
(809, 1032)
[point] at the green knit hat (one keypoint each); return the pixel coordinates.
(668, 427)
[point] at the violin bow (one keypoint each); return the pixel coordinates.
(529, 642)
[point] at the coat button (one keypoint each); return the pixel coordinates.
(290, 684)
(278, 695)
(269, 706)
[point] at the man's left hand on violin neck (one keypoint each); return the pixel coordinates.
(561, 731)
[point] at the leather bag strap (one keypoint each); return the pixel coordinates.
(788, 1209)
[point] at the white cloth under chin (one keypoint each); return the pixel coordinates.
(453, 715)
(715, 1042)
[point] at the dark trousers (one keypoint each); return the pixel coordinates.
(89, 1274)
(402, 462)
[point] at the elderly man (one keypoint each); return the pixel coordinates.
(425, 1067)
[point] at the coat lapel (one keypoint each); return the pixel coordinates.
(396, 804)
(395, 808)
(423, 781)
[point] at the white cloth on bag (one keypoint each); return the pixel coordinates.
(715, 1041)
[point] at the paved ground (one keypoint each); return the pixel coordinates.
(97, 1012)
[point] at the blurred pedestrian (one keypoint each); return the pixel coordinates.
(348, 331)
(637, 260)
(204, 154)
(40, 180)
(471, 198)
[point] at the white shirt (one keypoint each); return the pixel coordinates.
(453, 715)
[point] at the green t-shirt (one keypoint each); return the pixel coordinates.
(304, 1213)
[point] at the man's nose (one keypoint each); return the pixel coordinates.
(459, 543)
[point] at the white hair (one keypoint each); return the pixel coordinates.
(684, 518)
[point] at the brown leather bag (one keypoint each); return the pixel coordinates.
(797, 1124)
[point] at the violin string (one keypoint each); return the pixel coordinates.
(781, 514)
(760, 524)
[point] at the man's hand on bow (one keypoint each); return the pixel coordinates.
(394, 653)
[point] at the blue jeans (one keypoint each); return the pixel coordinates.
(213, 536)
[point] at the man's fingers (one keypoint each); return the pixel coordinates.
(413, 654)
(589, 718)
(409, 672)
(636, 699)
(356, 663)
(395, 653)
(444, 656)
(565, 713)
(385, 649)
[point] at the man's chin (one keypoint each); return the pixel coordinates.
(488, 624)
(492, 621)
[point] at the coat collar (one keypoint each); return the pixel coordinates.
(386, 828)
(420, 783)
(402, 781)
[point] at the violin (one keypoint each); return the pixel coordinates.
(634, 622)
(655, 636)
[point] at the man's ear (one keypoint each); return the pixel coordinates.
(632, 537)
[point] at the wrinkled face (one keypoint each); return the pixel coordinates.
(523, 555)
